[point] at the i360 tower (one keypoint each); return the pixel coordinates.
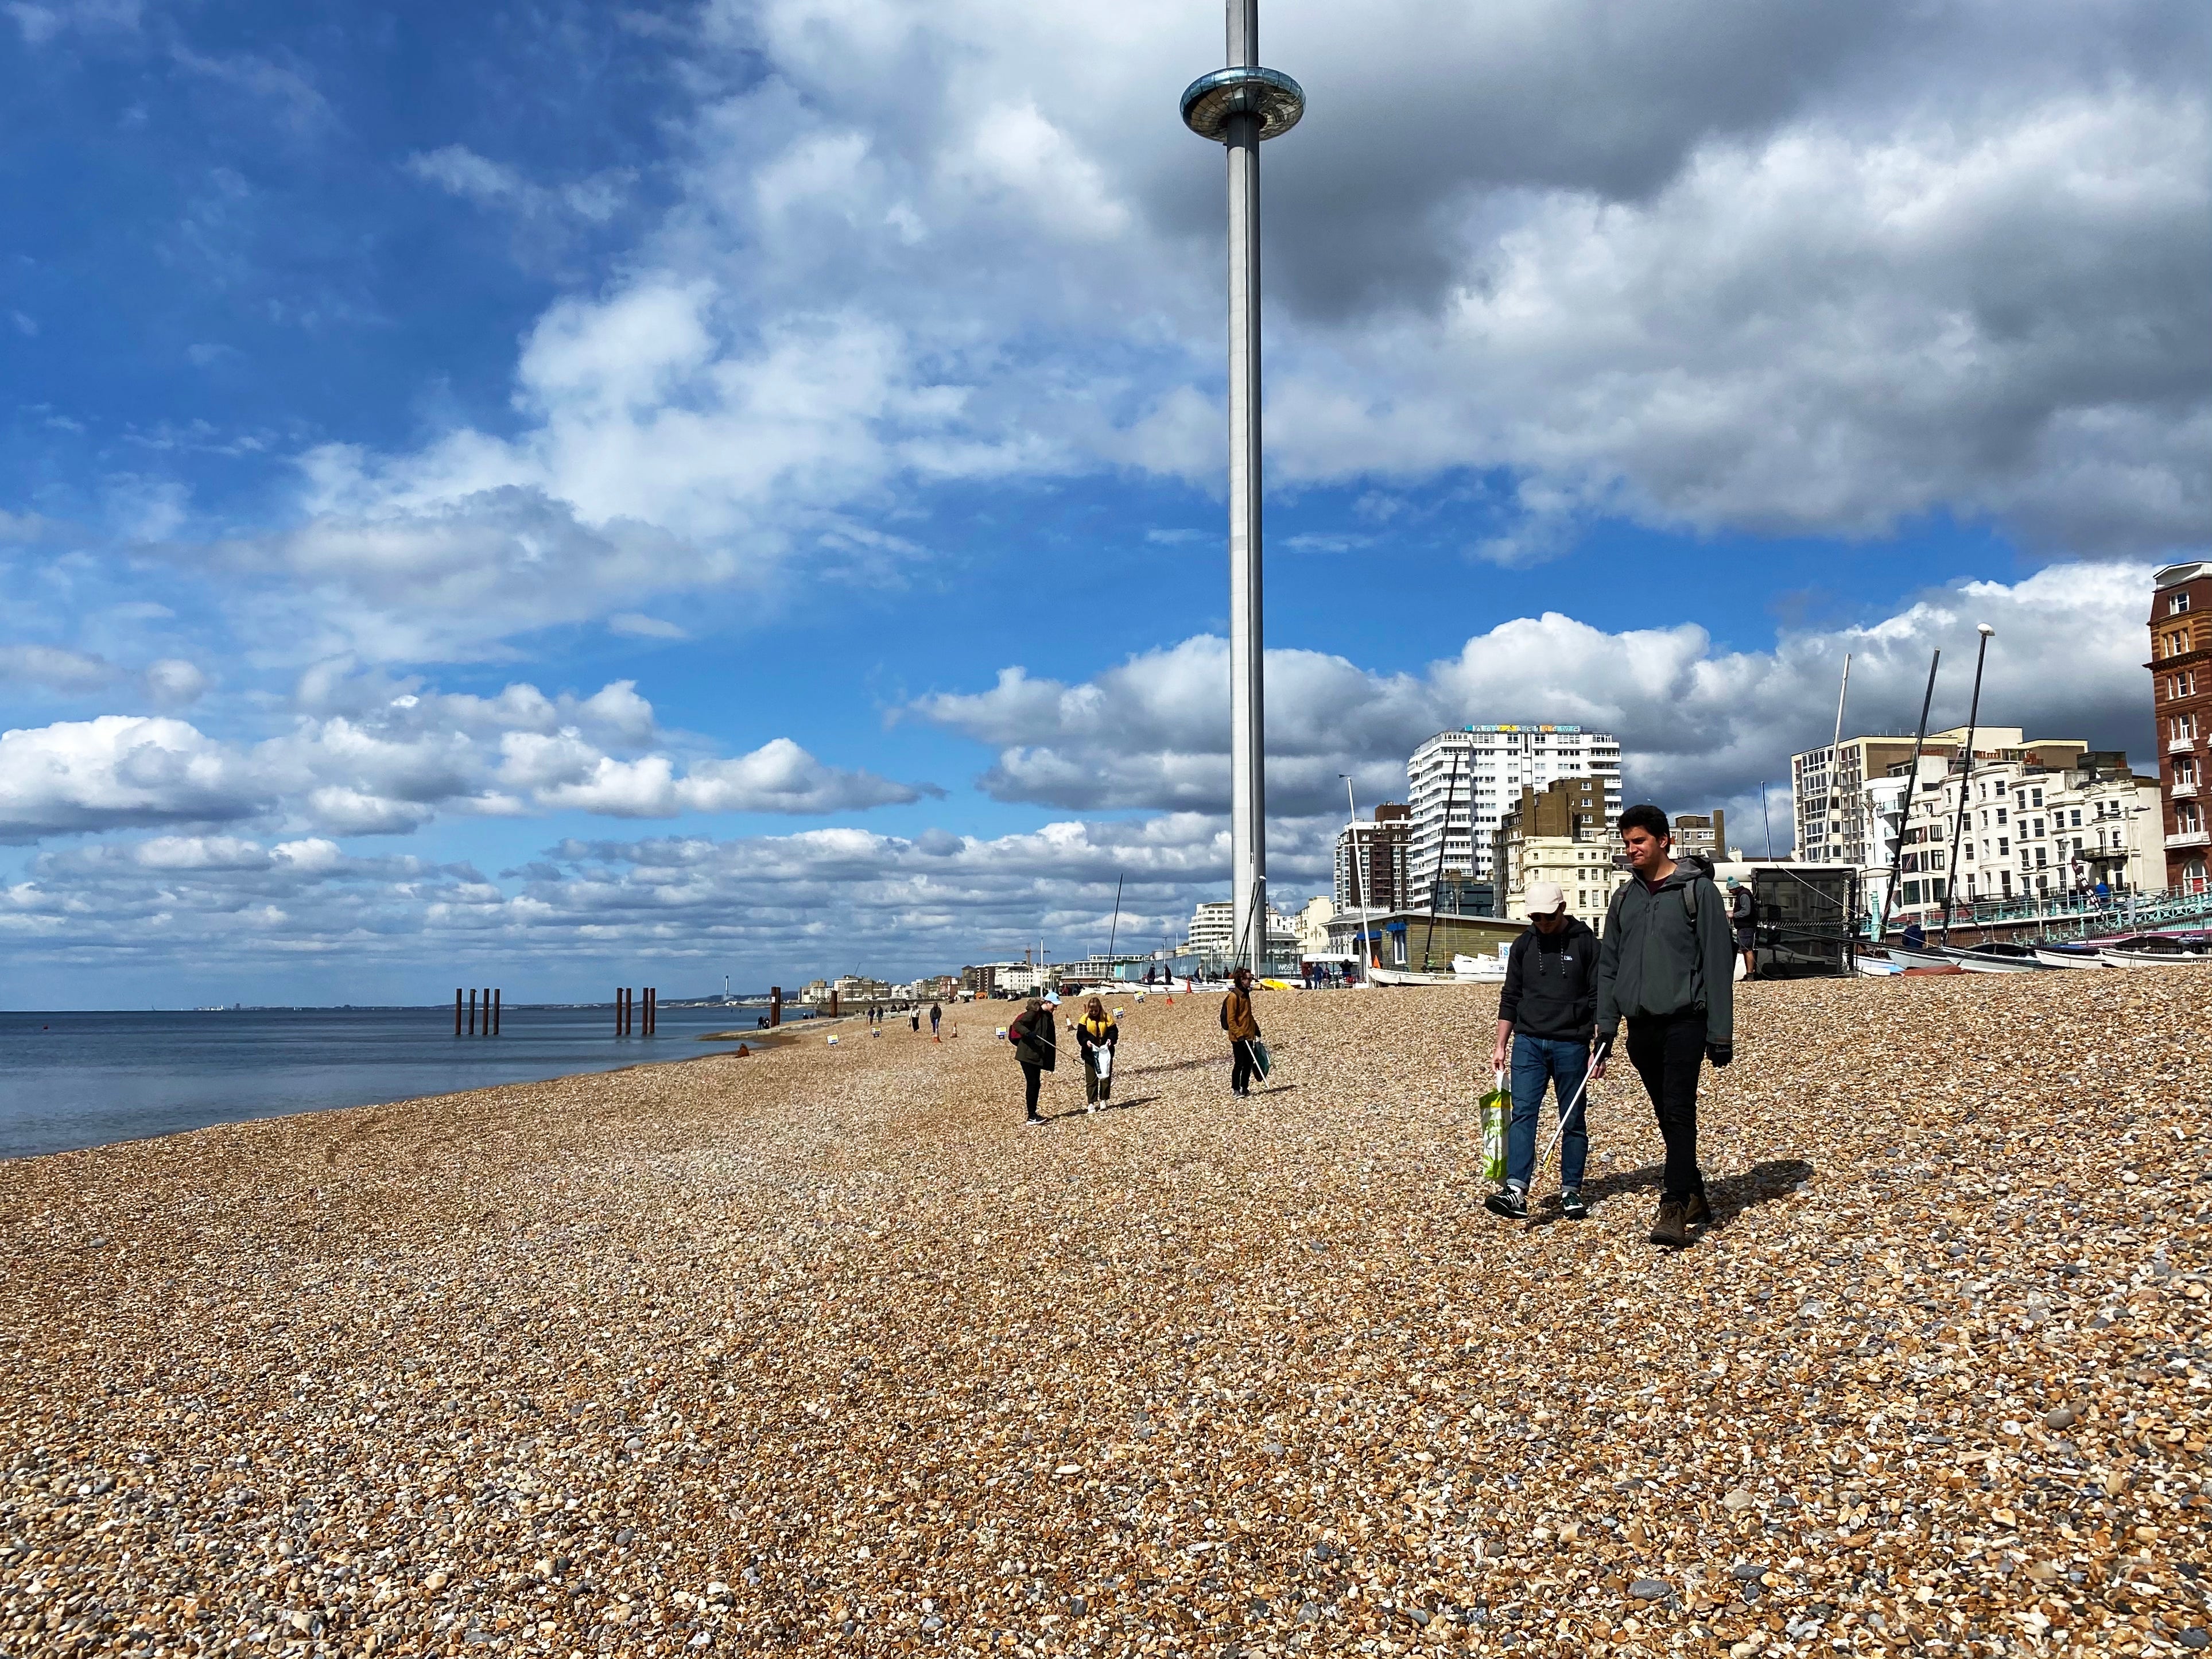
(1240, 107)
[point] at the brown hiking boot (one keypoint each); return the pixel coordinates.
(1696, 1212)
(1669, 1230)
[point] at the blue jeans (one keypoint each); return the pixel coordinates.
(1537, 1060)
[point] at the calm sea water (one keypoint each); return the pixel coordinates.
(86, 1080)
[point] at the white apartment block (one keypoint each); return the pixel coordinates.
(2030, 832)
(1481, 770)
(1213, 927)
(1584, 870)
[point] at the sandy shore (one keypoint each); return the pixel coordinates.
(818, 1350)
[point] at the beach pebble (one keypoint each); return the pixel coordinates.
(1649, 1589)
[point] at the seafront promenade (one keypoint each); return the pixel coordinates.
(818, 1350)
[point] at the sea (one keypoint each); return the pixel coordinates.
(88, 1079)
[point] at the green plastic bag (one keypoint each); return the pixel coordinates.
(1262, 1061)
(1497, 1110)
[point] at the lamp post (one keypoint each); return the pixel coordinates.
(1966, 781)
(1240, 106)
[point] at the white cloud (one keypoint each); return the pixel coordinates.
(114, 771)
(55, 668)
(40, 23)
(1697, 724)
(460, 170)
(173, 683)
(367, 755)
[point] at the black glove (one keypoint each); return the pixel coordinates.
(1600, 1049)
(1720, 1053)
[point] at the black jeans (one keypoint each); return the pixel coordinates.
(1666, 1050)
(1242, 1069)
(1034, 1077)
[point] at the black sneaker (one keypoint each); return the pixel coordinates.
(1571, 1205)
(1509, 1202)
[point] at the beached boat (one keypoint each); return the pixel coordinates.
(2063, 959)
(1408, 976)
(1987, 960)
(2159, 958)
(1905, 958)
(1876, 967)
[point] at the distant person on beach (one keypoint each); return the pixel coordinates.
(1915, 936)
(916, 1021)
(1096, 1035)
(1667, 965)
(1743, 918)
(1037, 1045)
(936, 1013)
(1547, 1018)
(1243, 1028)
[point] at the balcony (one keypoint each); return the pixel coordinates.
(2179, 745)
(2189, 838)
(2184, 790)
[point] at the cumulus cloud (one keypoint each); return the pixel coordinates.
(115, 771)
(174, 683)
(1698, 725)
(367, 755)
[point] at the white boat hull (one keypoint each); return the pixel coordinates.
(2068, 959)
(2157, 959)
(1978, 964)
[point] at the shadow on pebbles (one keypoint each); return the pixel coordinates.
(817, 1349)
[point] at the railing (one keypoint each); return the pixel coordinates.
(2181, 745)
(2183, 791)
(2069, 915)
(2189, 838)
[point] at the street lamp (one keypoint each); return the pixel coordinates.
(1965, 780)
(1238, 107)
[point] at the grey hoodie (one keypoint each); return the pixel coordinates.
(1654, 959)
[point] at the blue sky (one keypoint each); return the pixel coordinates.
(840, 385)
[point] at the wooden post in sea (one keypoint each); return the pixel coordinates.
(652, 1009)
(457, 1010)
(775, 1006)
(494, 1010)
(472, 1011)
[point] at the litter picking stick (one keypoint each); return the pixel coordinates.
(1566, 1117)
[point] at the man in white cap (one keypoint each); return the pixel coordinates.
(1547, 1018)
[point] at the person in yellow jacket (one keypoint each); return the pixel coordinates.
(1096, 1034)
(1244, 1029)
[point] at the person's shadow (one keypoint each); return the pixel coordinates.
(1129, 1105)
(1729, 1196)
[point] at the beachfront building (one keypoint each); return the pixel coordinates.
(1098, 968)
(1558, 834)
(1312, 925)
(1213, 926)
(1827, 790)
(1371, 860)
(1702, 833)
(1460, 783)
(2181, 696)
(2050, 819)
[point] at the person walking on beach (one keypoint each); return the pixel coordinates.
(936, 1013)
(1547, 1018)
(1667, 965)
(1037, 1045)
(1243, 1028)
(1096, 1035)
(1743, 920)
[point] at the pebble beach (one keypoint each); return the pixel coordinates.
(818, 1350)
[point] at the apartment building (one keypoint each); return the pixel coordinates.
(1213, 928)
(1560, 834)
(1460, 783)
(1827, 791)
(1372, 867)
(2181, 696)
(2042, 820)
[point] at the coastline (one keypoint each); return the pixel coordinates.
(761, 1349)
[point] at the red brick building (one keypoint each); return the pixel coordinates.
(2181, 696)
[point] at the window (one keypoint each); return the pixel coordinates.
(2004, 845)
(2038, 827)
(2001, 818)
(2178, 604)
(2175, 644)
(2042, 859)
(2039, 797)
(2184, 728)
(2188, 818)
(2077, 819)
(2005, 875)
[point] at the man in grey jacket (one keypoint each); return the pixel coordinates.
(1667, 965)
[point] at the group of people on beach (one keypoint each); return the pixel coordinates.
(1664, 967)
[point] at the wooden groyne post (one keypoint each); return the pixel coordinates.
(632, 1019)
(482, 1022)
(774, 1004)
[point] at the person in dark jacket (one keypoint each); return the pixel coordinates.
(1667, 965)
(1035, 1037)
(1547, 1014)
(1743, 918)
(1243, 1028)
